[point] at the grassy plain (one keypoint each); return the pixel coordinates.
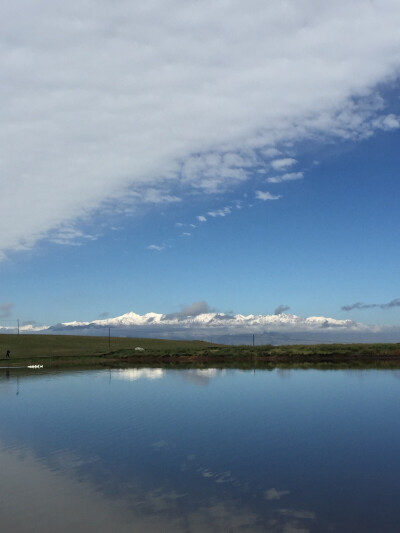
(70, 350)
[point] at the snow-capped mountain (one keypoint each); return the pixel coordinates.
(217, 320)
(221, 327)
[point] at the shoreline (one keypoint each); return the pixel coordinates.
(108, 361)
(95, 352)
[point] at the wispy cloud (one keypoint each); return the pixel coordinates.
(387, 123)
(261, 195)
(220, 212)
(158, 104)
(212, 172)
(290, 176)
(360, 305)
(5, 309)
(274, 494)
(70, 236)
(271, 152)
(183, 225)
(282, 164)
(157, 247)
(156, 196)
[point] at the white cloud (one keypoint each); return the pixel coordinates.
(271, 152)
(261, 195)
(155, 196)
(281, 164)
(388, 122)
(220, 212)
(156, 247)
(290, 176)
(213, 172)
(106, 98)
(70, 235)
(128, 199)
(201, 218)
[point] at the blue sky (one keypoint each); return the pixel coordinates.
(255, 169)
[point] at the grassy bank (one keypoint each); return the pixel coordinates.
(66, 350)
(38, 346)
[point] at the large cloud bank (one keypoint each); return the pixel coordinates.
(107, 104)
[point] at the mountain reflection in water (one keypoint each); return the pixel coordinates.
(199, 450)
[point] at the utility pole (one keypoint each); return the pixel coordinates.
(253, 339)
(18, 326)
(109, 339)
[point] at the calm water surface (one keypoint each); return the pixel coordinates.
(199, 450)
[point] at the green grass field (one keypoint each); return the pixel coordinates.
(41, 346)
(71, 350)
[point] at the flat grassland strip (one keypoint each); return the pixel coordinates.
(71, 350)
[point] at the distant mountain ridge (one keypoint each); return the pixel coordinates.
(218, 320)
(225, 328)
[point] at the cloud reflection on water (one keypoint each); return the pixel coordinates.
(200, 376)
(38, 498)
(48, 498)
(168, 456)
(133, 374)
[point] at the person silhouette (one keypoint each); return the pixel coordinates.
(8, 354)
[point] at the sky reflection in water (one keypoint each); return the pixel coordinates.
(199, 450)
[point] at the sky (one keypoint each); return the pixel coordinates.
(154, 155)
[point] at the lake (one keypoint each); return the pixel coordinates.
(160, 450)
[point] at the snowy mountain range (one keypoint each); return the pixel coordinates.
(232, 329)
(217, 320)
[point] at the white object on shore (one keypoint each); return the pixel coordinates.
(35, 366)
(139, 349)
